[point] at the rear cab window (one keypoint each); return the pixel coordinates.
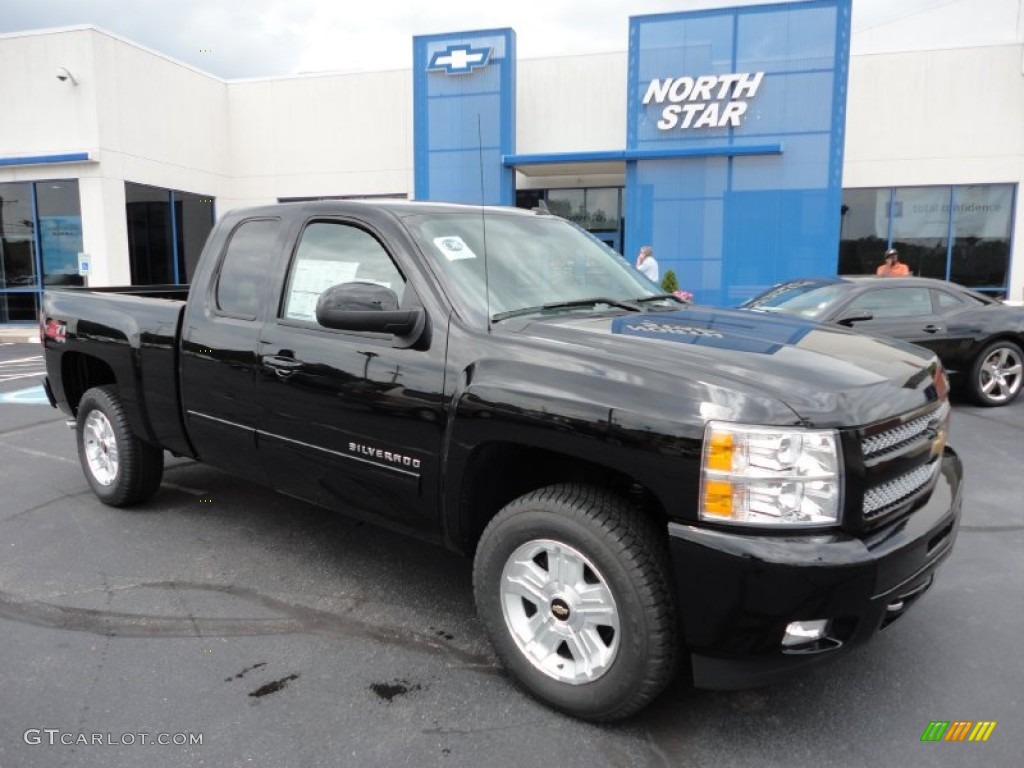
(239, 290)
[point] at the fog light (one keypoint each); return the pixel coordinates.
(804, 632)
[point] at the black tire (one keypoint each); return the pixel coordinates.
(996, 374)
(136, 473)
(627, 554)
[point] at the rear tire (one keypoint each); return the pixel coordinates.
(121, 469)
(996, 374)
(572, 585)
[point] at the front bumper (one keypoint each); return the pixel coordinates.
(738, 592)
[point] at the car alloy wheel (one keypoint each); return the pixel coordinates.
(998, 373)
(100, 442)
(572, 583)
(560, 611)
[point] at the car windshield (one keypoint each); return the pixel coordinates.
(534, 265)
(802, 298)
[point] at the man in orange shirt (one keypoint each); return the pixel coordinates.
(892, 266)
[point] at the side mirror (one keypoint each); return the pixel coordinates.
(366, 307)
(856, 316)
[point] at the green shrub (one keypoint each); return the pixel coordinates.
(669, 284)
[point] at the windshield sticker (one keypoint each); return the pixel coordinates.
(453, 248)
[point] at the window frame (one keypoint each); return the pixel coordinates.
(882, 290)
(213, 290)
(409, 297)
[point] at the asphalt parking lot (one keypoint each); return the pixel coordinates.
(283, 635)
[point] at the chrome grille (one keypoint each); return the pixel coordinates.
(892, 438)
(885, 495)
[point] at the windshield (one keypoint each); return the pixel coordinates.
(805, 298)
(532, 262)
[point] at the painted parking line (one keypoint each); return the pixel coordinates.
(30, 396)
(22, 368)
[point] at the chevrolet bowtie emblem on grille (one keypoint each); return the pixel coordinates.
(459, 59)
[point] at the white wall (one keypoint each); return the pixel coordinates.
(571, 104)
(42, 115)
(104, 230)
(160, 121)
(320, 135)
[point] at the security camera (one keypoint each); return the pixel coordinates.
(64, 74)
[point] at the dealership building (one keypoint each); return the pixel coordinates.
(746, 144)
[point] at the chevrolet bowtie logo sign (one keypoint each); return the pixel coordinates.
(459, 59)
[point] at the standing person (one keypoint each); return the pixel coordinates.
(647, 264)
(892, 266)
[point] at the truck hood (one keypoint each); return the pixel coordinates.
(827, 376)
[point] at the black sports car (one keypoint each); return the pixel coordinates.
(978, 339)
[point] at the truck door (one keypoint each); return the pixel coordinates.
(349, 421)
(219, 344)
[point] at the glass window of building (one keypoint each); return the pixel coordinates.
(956, 233)
(17, 238)
(40, 239)
(569, 204)
(193, 220)
(596, 209)
(149, 234)
(920, 229)
(863, 230)
(166, 232)
(602, 209)
(60, 231)
(982, 216)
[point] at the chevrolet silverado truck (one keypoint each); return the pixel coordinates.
(644, 485)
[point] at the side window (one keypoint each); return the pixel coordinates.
(246, 264)
(895, 302)
(948, 300)
(330, 253)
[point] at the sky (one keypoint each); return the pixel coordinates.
(257, 38)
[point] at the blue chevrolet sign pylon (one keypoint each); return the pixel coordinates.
(464, 116)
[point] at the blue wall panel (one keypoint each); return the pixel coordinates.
(464, 113)
(731, 226)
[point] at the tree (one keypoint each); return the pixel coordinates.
(669, 284)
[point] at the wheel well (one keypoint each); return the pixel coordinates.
(1004, 336)
(497, 473)
(80, 373)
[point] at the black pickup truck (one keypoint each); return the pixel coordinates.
(642, 483)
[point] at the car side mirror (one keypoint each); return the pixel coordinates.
(367, 307)
(856, 316)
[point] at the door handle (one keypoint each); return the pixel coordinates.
(932, 328)
(282, 366)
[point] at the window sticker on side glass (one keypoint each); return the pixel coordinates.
(311, 278)
(453, 248)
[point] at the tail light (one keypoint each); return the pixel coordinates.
(54, 330)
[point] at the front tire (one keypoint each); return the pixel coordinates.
(572, 586)
(121, 469)
(996, 374)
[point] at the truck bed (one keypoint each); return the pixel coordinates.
(133, 331)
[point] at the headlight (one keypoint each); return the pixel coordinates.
(780, 476)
